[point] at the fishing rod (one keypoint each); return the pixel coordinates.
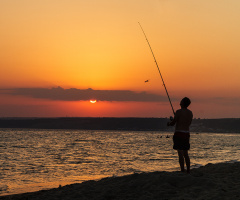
(158, 68)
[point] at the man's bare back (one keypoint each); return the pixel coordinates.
(183, 119)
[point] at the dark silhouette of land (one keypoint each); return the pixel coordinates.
(134, 124)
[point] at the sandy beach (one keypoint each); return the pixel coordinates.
(213, 181)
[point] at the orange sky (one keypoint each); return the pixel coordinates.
(98, 44)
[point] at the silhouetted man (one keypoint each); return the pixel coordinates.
(182, 119)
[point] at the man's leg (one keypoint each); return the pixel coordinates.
(181, 159)
(187, 160)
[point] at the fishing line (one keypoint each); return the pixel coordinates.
(157, 68)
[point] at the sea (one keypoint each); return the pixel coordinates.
(34, 159)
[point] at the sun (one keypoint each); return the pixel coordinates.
(93, 101)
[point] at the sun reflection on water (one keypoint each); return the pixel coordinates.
(39, 159)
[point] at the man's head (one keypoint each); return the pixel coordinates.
(185, 102)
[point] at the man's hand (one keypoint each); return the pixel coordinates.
(169, 123)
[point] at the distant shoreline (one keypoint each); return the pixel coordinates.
(227, 125)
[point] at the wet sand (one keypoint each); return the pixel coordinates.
(213, 181)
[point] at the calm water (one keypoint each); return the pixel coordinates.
(31, 160)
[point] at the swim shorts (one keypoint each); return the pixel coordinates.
(181, 141)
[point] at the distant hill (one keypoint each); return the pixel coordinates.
(228, 125)
(134, 124)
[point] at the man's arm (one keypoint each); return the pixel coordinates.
(173, 122)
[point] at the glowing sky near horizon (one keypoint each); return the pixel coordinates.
(98, 44)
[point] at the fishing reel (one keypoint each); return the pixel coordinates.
(171, 119)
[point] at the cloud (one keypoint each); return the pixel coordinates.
(75, 94)
(224, 101)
